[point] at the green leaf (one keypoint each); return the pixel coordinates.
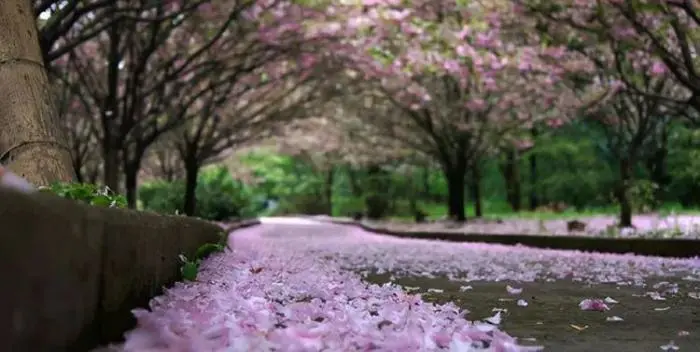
(189, 270)
(207, 249)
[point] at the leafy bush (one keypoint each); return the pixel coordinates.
(643, 195)
(219, 196)
(87, 193)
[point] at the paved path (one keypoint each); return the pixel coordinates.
(314, 266)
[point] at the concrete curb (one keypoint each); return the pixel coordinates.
(75, 272)
(238, 225)
(672, 248)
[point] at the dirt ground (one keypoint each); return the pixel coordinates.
(553, 308)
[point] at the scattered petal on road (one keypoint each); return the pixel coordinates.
(513, 291)
(309, 296)
(578, 327)
(671, 346)
(609, 300)
(495, 319)
(593, 304)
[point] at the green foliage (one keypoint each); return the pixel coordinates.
(208, 249)
(583, 179)
(189, 268)
(87, 193)
(643, 195)
(219, 196)
(297, 186)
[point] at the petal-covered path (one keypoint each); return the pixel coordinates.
(299, 285)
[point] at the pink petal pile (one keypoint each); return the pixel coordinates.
(295, 288)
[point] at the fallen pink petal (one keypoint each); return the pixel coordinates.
(594, 304)
(312, 295)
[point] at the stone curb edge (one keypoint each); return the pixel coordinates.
(670, 248)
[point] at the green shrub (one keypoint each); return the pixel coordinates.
(219, 196)
(87, 193)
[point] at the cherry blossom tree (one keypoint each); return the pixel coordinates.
(642, 92)
(335, 136)
(238, 115)
(458, 81)
(665, 30)
(139, 61)
(66, 24)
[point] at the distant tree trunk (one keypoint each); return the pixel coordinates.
(376, 197)
(511, 175)
(132, 166)
(93, 173)
(32, 142)
(455, 174)
(475, 189)
(110, 157)
(658, 169)
(78, 170)
(534, 201)
(328, 190)
(192, 167)
(130, 180)
(623, 192)
(112, 140)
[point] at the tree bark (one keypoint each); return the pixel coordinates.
(534, 199)
(192, 168)
(32, 142)
(132, 166)
(475, 190)
(130, 181)
(658, 169)
(455, 175)
(511, 175)
(623, 193)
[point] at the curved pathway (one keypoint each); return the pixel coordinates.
(295, 284)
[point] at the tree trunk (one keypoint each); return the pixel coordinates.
(130, 180)
(658, 170)
(623, 193)
(132, 166)
(192, 168)
(475, 190)
(376, 193)
(534, 201)
(511, 175)
(110, 156)
(330, 176)
(112, 143)
(455, 175)
(32, 142)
